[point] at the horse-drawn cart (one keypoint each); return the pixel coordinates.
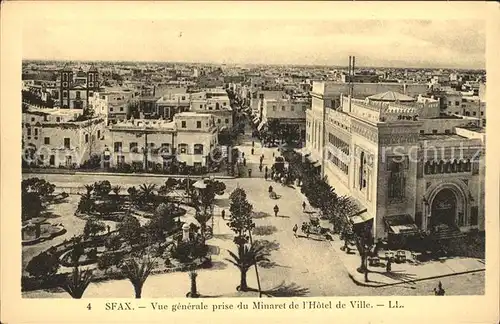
(314, 227)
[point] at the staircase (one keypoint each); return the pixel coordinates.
(447, 232)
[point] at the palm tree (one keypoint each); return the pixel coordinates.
(89, 188)
(116, 190)
(147, 191)
(137, 272)
(193, 293)
(248, 256)
(76, 283)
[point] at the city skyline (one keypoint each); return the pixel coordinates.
(375, 43)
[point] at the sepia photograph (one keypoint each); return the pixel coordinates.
(251, 168)
(251, 157)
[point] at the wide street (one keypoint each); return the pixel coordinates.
(299, 266)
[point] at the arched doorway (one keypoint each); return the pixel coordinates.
(444, 208)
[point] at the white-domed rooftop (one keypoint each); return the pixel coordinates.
(391, 96)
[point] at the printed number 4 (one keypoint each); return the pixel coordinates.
(89, 307)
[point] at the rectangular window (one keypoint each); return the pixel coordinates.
(67, 143)
(121, 108)
(434, 131)
(117, 146)
(65, 94)
(198, 124)
(133, 147)
(274, 108)
(457, 103)
(86, 138)
(36, 131)
(283, 108)
(447, 131)
(218, 121)
(201, 106)
(52, 160)
(422, 131)
(58, 119)
(227, 120)
(183, 124)
(46, 140)
(183, 148)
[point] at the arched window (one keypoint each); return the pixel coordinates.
(454, 166)
(217, 106)
(427, 167)
(467, 165)
(198, 148)
(441, 167)
(447, 167)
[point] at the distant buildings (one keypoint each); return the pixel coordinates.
(215, 102)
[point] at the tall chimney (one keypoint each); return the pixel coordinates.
(349, 69)
(353, 63)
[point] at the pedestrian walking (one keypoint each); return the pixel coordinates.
(109, 228)
(303, 206)
(273, 154)
(270, 189)
(276, 210)
(261, 158)
(252, 150)
(244, 162)
(295, 228)
(223, 214)
(265, 176)
(249, 173)
(260, 168)
(266, 169)
(253, 144)
(439, 291)
(242, 154)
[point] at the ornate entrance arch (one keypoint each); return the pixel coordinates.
(444, 208)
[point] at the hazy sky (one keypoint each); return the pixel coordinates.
(417, 43)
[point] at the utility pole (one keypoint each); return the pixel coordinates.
(146, 150)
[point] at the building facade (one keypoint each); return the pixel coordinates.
(52, 137)
(189, 139)
(77, 88)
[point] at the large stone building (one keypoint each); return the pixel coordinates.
(189, 139)
(57, 138)
(400, 159)
(114, 105)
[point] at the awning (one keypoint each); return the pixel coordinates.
(262, 123)
(400, 224)
(361, 217)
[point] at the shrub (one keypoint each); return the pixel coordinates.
(102, 188)
(43, 265)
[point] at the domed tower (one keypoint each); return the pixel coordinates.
(66, 84)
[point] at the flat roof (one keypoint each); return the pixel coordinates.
(434, 137)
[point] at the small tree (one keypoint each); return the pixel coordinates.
(44, 265)
(130, 229)
(146, 192)
(92, 228)
(240, 222)
(137, 271)
(77, 282)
